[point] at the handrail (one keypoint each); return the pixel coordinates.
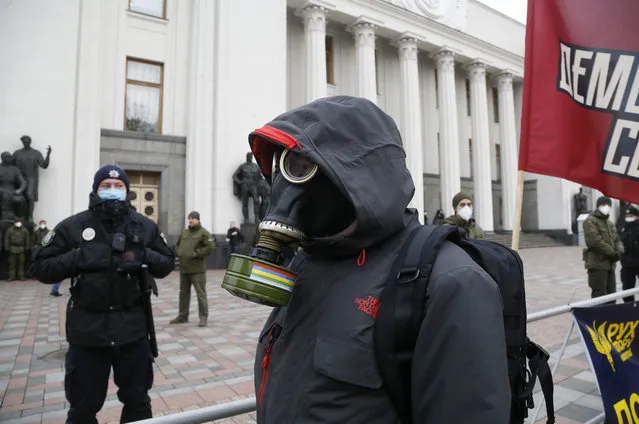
(238, 407)
(558, 310)
(209, 413)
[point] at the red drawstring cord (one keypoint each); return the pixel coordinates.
(361, 258)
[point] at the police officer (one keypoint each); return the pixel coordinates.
(629, 235)
(108, 252)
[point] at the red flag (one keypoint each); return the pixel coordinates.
(580, 118)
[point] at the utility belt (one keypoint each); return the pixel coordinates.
(93, 307)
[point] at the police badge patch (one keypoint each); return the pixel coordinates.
(48, 238)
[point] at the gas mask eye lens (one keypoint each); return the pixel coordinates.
(296, 168)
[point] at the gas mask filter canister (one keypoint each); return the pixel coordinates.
(260, 277)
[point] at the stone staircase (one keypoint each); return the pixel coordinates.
(526, 240)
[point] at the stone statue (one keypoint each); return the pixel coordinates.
(581, 203)
(264, 192)
(28, 161)
(245, 182)
(12, 187)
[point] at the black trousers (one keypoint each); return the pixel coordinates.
(87, 379)
(629, 277)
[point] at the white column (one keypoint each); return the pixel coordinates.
(200, 142)
(86, 144)
(508, 140)
(315, 36)
(595, 194)
(411, 121)
(483, 199)
(449, 172)
(364, 33)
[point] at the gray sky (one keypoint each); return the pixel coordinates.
(516, 9)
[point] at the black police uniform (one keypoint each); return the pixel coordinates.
(101, 250)
(630, 260)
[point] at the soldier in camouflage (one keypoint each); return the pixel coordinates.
(463, 217)
(17, 243)
(603, 249)
(193, 246)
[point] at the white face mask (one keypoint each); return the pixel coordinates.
(604, 209)
(18, 224)
(42, 226)
(631, 218)
(466, 212)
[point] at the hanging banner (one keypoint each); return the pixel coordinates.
(580, 117)
(609, 334)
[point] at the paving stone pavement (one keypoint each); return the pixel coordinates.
(200, 367)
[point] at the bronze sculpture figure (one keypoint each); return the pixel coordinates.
(12, 187)
(28, 161)
(245, 184)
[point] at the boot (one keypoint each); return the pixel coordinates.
(202, 322)
(179, 320)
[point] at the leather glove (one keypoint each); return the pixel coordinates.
(93, 257)
(130, 263)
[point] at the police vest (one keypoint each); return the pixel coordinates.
(109, 289)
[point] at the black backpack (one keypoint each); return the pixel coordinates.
(403, 305)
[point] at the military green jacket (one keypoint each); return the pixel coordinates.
(603, 245)
(473, 231)
(16, 240)
(193, 246)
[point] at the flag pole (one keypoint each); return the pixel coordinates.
(518, 210)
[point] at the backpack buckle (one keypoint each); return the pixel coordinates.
(407, 275)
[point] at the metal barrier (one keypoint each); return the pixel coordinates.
(231, 409)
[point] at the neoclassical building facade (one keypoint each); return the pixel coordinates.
(170, 89)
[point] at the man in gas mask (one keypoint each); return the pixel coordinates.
(340, 188)
(603, 249)
(463, 217)
(111, 254)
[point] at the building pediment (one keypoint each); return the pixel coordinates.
(450, 12)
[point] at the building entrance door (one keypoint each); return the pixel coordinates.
(144, 193)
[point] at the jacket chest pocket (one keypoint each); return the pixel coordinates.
(350, 364)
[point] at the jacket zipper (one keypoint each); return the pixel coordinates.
(273, 334)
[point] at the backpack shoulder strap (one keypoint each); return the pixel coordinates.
(402, 309)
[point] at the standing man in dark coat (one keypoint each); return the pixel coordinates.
(28, 161)
(630, 259)
(603, 249)
(16, 242)
(193, 246)
(235, 238)
(111, 254)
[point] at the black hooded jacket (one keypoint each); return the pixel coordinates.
(629, 235)
(315, 360)
(104, 308)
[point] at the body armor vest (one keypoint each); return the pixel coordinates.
(109, 289)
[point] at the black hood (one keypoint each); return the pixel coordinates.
(359, 148)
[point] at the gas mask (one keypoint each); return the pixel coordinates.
(305, 205)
